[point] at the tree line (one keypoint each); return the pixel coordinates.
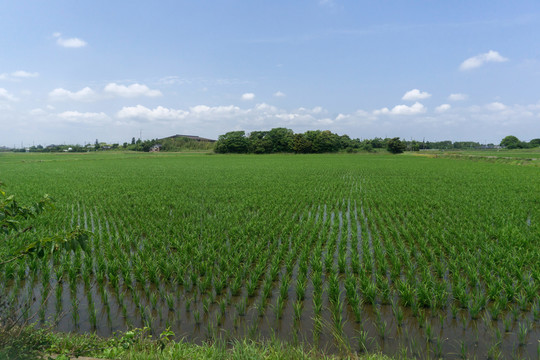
(280, 140)
(283, 140)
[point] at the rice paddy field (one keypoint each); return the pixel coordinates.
(417, 256)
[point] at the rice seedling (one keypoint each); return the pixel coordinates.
(523, 330)
(197, 317)
(536, 310)
(369, 292)
(300, 290)
(514, 310)
(381, 326)
(153, 300)
(463, 350)
(406, 293)
(241, 307)
(75, 311)
(206, 305)
(279, 307)
(383, 287)
(317, 303)
(442, 318)
(495, 311)
(494, 351)
(421, 318)
(428, 331)
(474, 309)
(317, 328)
(507, 324)
(298, 306)
(169, 299)
(398, 314)
(284, 287)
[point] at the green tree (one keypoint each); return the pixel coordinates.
(281, 139)
(396, 146)
(377, 143)
(300, 144)
(326, 142)
(415, 146)
(259, 143)
(534, 143)
(511, 142)
(232, 142)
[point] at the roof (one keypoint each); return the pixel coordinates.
(192, 137)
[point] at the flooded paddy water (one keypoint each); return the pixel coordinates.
(429, 333)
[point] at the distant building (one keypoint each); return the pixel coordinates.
(155, 148)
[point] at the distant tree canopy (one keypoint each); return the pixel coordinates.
(396, 146)
(534, 143)
(512, 142)
(282, 140)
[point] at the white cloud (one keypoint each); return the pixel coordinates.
(229, 117)
(457, 97)
(6, 95)
(279, 94)
(204, 111)
(442, 108)
(382, 111)
(496, 106)
(85, 94)
(174, 80)
(248, 96)
(417, 108)
(414, 109)
(37, 112)
(84, 117)
(130, 91)
(481, 59)
(17, 75)
(325, 121)
(143, 113)
(112, 89)
(265, 107)
(70, 42)
(495, 120)
(415, 94)
(24, 74)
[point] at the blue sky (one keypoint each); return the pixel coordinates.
(77, 71)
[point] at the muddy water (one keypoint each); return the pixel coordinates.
(429, 334)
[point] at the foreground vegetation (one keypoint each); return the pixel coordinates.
(362, 252)
(29, 343)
